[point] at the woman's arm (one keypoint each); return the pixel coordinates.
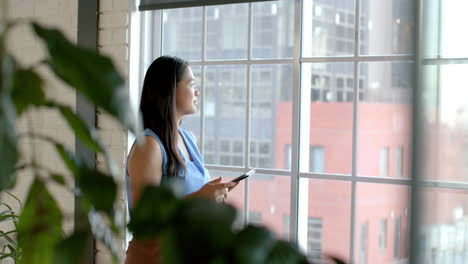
(144, 167)
(214, 190)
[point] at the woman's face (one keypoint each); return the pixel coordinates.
(186, 95)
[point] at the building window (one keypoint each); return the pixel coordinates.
(399, 162)
(317, 159)
(288, 157)
(383, 234)
(260, 155)
(314, 238)
(397, 241)
(384, 161)
(231, 152)
(364, 243)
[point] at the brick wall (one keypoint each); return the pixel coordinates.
(29, 51)
(114, 17)
(113, 41)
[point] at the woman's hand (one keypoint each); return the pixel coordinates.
(215, 190)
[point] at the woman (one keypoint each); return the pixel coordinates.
(169, 93)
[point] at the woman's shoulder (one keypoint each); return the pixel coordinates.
(150, 148)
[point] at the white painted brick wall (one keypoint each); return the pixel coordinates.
(29, 51)
(113, 42)
(113, 19)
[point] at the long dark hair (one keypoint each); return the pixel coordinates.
(158, 105)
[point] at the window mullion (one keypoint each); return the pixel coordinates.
(294, 205)
(161, 28)
(355, 130)
(247, 114)
(202, 85)
(439, 26)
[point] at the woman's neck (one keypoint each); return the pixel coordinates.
(178, 120)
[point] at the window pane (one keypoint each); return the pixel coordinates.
(182, 31)
(387, 27)
(328, 29)
(384, 118)
(271, 115)
(270, 196)
(444, 229)
(453, 22)
(431, 28)
(328, 139)
(235, 196)
(225, 104)
(273, 29)
(192, 122)
(226, 32)
(329, 214)
(380, 207)
(445, 154)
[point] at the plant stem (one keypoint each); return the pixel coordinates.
(16, 198)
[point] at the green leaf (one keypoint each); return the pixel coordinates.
(39, 227)
(154, 212)
(209, 232)
(90, 73)
(72, 250)
(284, 252)
(70, 161)
(9, 212)
(7, 256)
(8, 238)
(11, 217)
(103, 232)
(97, 189)
(86, 134)
(169, 249)
(333, 259)
(59, 179)
(253, 245)
(8, 148)
(27, 90)
(15, 253)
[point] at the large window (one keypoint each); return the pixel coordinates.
(317, 96)
(443, 113)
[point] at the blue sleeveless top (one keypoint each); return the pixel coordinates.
(194, 177)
